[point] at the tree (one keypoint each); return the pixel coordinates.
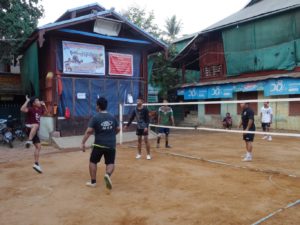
(163, 75)
(18, 19)
(142, 19)
(173, 27)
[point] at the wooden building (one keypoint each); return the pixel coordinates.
(252, 54)
(86, 53)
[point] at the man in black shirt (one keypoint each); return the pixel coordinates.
(247, 121)
(105, 127)
(141, 114)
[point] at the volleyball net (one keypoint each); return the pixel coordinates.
(200, 131)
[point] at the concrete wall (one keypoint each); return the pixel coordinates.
(46, 127)
(281, 118)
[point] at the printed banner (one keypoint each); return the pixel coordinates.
(224, 91)
(249, 86)
(120, 64)
(282, 87)
(80, 58)
(195, 93)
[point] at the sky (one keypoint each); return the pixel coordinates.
(195, 15)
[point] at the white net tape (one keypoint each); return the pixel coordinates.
(196, 127)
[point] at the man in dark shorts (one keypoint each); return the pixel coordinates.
(105, 127)
(165, 118)
(34, 109)
(142, 117)
(247, 121)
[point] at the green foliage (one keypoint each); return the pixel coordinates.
(142, 19)
(163, 75)
(173, 27)
(18, 19)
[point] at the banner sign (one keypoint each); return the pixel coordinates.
(282, 87)
(285, 86)
(195, 93)
(249, 86)
(224, 91)
(80, 58)
(120, 64)
(180, 92)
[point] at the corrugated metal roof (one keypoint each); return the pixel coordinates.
(70, 21)
(260, 9)
(242, 80)
(185, 37)
(65, 23)
(84, 33)
(86, 6)
(251, 12)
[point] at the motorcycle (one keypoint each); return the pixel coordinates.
(6, 133)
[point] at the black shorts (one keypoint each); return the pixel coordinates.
(248, 137)
(35, 139)
(164, 130)
(265, 125)
(109, 155)
(140, 132)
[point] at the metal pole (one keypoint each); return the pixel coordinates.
(121, 123)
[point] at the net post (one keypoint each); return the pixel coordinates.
(121, 123)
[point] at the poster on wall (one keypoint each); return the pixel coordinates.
(120, 64)
(81, 58)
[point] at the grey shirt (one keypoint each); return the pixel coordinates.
(104, 125)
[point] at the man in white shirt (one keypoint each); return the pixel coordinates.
(266, 115)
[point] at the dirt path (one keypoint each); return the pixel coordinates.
(166, 190)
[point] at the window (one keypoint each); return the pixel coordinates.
(247, 96)
(294, 107)
(213, 109)
(212, 71)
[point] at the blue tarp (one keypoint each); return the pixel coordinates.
(87, 91)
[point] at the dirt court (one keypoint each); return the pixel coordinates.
(169, 189)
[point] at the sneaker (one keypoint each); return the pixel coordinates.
(247, 159)
(37, 168)
(148, 157)
(107, 181)
(138, 156)
(264, 137)
(28, 144)
(89, 184)
(269, 138)
(168, 146)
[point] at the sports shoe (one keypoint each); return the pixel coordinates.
(264, 137)
(89, 184)
(107, 181)
(138, 156)
(148, 157)
(37, 168)
(28, 144)
(247, 159)
(269, 138)
(168, 146)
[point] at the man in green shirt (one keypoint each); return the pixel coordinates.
(165, 118)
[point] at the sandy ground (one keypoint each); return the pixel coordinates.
(168, 189)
